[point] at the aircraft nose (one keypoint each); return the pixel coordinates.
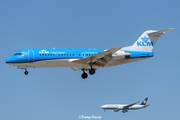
(102, 106)
(9, 60)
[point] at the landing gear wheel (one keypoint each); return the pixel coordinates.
(84, 75)
(26, 72)
(92, 71)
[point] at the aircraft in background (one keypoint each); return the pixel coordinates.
(125, 107)
(87, 59)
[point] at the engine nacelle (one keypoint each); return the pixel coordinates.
(116, 110)
(121, 54)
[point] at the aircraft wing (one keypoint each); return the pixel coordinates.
(100, 59)
(127, 106)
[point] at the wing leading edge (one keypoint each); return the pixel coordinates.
(129, 105)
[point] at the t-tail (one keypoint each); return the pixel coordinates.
(147, 40)
(144, 101)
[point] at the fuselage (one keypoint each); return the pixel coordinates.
(121, 107)
(48, 57)
(39, 58)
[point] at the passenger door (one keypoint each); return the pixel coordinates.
(30, 56)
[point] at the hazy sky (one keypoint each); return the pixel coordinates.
(61, 93)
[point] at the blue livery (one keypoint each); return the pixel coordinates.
(86, 59)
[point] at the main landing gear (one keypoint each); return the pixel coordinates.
(92, 71)
(85, 75)
(124, 111)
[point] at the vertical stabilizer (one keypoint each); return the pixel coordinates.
(147, 40)
(144, 101)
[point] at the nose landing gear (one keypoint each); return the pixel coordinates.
(24, 68)
(26, 72)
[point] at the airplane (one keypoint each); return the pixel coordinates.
(125, 107)
(87, 59)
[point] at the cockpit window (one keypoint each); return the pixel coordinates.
(19, 54)
(22, 54)
(15, 54)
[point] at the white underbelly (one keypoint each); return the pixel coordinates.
(47, 63)
(115, 62)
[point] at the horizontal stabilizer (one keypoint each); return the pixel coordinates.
(158, 33)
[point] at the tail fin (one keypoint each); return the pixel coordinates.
(144, 101)
(147, 40)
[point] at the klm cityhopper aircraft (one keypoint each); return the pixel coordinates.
(86, 59)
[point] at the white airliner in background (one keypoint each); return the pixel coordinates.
(87, 59)
(125, 107)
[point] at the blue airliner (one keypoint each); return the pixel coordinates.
(87, 59)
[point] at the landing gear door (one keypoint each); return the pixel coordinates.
(30, 56)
